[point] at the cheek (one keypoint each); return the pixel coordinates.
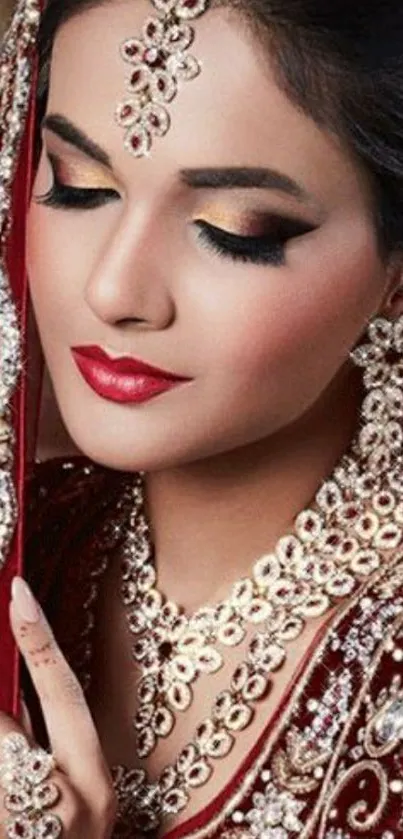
(299, 322)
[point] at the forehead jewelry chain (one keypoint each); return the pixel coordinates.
(158, 60)
(339, 542)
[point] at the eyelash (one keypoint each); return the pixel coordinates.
(267, 249)
(63, 197)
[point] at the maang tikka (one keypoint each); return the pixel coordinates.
(158, 62)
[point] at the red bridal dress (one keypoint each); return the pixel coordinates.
(330, 763)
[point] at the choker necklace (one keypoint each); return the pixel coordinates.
(337, 544)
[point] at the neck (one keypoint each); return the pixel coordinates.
(212, 519)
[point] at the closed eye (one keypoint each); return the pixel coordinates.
(265, 249)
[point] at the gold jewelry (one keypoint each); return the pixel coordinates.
(159, 61)
(338, 543)
(23, 775)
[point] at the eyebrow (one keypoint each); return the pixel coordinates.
(238, 177)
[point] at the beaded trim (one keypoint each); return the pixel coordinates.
(159, 61)
(15, 73)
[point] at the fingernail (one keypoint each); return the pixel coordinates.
(24, 602)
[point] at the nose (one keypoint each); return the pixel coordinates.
(129, 283)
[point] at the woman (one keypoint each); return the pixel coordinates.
(214, 243)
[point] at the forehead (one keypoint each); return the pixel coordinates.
(232, 114)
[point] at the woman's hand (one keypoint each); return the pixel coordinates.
(87, 805)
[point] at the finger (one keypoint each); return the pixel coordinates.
(66, 804)
(72, 734)
(25, 718)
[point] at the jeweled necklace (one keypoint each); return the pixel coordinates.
(336, 545)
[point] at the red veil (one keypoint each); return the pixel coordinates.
(17, 82)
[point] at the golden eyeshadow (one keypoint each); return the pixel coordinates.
(241, 224)
(81, 176)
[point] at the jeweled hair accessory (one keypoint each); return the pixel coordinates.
(159, 61)
(15, 75)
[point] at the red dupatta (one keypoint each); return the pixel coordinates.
(17, 81)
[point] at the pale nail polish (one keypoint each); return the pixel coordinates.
(24, 602)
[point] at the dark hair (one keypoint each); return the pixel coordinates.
(340, 61)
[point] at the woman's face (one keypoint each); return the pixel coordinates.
(241, 255)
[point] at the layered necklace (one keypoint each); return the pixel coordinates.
(336, 544)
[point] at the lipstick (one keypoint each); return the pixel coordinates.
(125, 380)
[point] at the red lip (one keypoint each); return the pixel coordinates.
(125, 380)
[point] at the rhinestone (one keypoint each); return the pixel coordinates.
(187, 9)
(347, 549)
(393, 435)
(147, 689)
(17, 801)
(144, 716)
(186, 758)
(233, 633)
(146, 742)
(178, 38)
(163, 722)
(163, 86)
(255, 688)
(398, 335)
(222, 705)
(289, 548)
(45, 795)
(238, 717)
(219, 745)
(39, 764)
(315, 606)
(341, 585)
(179, 696)
(291, 628)
(365, 562)
(156, 119)
(374, 407)
(366, 355)
(190, 642)
(14, 746)
(128, 591)
(384, 503)
(175, 801)
(370, 437)
(367, 525)
(240, 677)
(19, 828)
(209, 660)
(389, 726)
(308, 526)
(242, 592)
(204, 732)
(272, 658)
(266, 570)
(132, 50)
(152, 604)
(259, 610)
(153, 31)
(48, 826)
(198, 774)
(168, 779)
(137, 141)
(380, 333)
(388, 537)
(329, 497)
(323, 571)
(127, 113)
(183, 669)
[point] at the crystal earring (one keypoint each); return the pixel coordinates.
(380, 439)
